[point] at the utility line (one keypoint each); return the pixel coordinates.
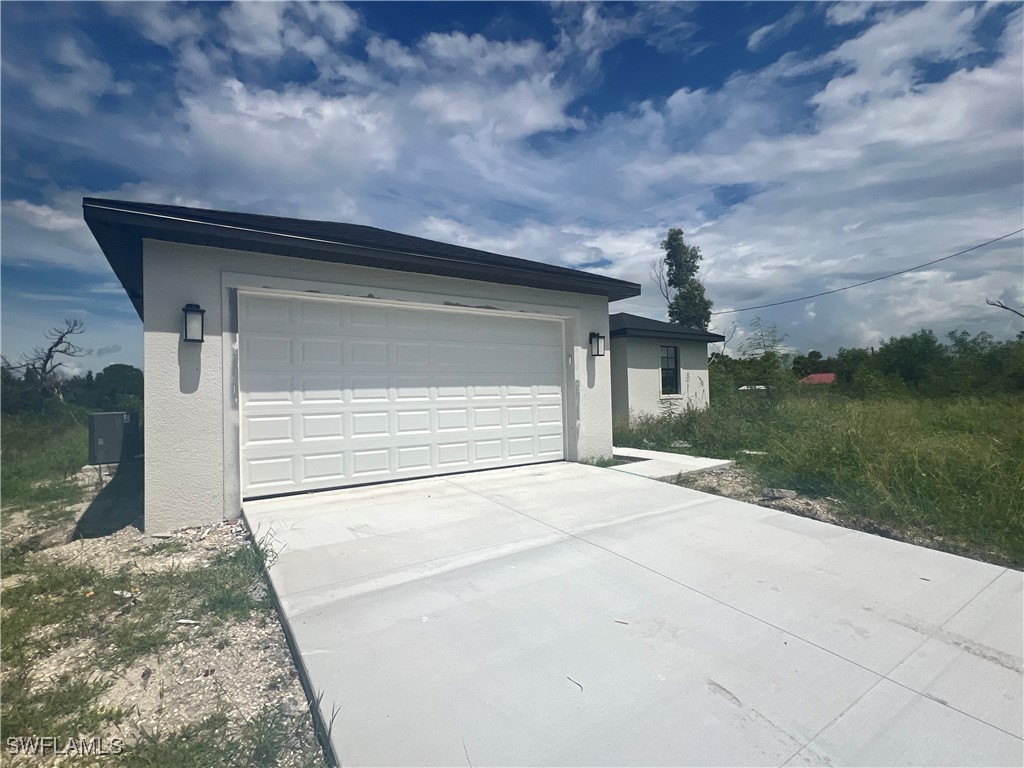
(873, 280)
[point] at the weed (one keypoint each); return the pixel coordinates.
(953, 468)
(606, 462)
(212, 742)
(67, 704)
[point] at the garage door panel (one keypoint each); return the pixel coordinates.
(414, 457)
(368, 353)
(323, 466)
(322, 426)
(267, 352)
(319, 316)
(320, 352)
(269, 429)
(412, 355)
(321, 389)
(275, 471)
(487, 450)
(339, 393)
(367, 389)
(269, 389)
(265, 313)
(370, 424)
(370, 461)
(413, 423)
(485, 418)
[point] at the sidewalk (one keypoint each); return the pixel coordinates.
(660, 465)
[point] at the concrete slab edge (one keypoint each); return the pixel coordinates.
(674, 476)
(320, 727)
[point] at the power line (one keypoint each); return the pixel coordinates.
(873, 280)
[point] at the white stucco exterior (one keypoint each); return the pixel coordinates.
(636, 376)
(192, 437)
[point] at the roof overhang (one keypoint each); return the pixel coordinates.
(634, 333)
(120, 228)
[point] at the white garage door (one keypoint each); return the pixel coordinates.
(335, 393)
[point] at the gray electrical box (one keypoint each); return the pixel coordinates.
(114, 437)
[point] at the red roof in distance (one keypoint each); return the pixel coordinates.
(819, 378)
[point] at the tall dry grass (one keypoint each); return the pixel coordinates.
(952, 468)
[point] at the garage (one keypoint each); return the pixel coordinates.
(336, 393)
(288, 356)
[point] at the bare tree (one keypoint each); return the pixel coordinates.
(660, 279)
(1003, 306)
(40, 366)
(729, 335)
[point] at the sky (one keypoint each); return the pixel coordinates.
(802, 147)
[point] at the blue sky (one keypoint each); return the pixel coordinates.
(801, 146)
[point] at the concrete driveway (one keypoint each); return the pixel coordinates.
(563, 614)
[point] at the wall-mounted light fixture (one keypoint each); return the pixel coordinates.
(193, 329)
(597, 345)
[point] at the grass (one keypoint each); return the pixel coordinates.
(54, 605)
(212, 742)
(952, 469)
(605, 463)
(38, 453)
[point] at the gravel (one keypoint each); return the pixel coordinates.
(242, 668)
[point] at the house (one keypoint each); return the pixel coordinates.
(335, 354)
(657, 365)
(819, 378)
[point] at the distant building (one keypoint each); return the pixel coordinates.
(819, 378)
(657, 366)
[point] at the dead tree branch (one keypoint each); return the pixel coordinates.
(40, 366)
(660, 279)
(1003, 306)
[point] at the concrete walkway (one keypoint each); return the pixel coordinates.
(661, 465)
(567, 615)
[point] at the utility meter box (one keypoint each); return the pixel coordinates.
(114, 437)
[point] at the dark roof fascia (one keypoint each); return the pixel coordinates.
(635, 333)
(625, 324)
(120, 231)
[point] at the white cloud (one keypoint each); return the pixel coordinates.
(265, 30)
(43, 216)
(849, 11)
(479, 55)
(775, 31)
(67, 78)
(162, 23)
(479, 141)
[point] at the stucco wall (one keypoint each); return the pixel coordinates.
(619, 351)
(641, 359)
(191, 399)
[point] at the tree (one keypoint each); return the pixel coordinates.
(916, 358)
(812, 362)
(40, 366)
(764, 354)
(1003, 306)
(676, 279)
(119, 387)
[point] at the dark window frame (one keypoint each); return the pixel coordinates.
(669, 371)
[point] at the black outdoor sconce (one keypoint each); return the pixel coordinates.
(194, 323)
(597, 345)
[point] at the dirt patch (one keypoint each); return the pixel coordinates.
(742, 484)
(211, 676)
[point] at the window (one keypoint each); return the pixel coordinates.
(670, 370)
